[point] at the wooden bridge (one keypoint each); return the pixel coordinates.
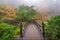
(32, 32)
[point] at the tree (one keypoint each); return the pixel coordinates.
(7, 13)
(25, 13)
(1, 10)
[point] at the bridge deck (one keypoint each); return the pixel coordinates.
(31, 33)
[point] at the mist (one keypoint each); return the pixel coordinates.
(52, 7)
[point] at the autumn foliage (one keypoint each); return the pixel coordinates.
(8, 13)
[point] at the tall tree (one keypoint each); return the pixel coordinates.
(25, 13)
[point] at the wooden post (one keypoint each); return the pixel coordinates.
(43, 28)
(21, 30)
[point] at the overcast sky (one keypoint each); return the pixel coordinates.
(50, 6)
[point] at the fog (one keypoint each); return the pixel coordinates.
(52, 7)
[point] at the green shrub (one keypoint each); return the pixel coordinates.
(7, 32)
(52, 28)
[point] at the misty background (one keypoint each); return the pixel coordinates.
(52, 7)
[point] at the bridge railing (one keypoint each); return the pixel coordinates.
(40, 27)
